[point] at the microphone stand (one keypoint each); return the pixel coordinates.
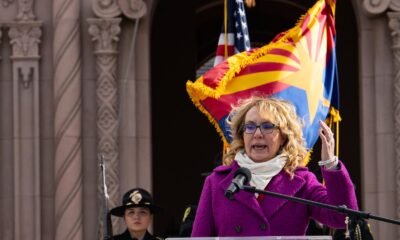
(353, 214)
(108, 231)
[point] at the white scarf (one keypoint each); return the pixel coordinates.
(261, 172)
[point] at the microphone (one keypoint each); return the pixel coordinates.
(241, 177)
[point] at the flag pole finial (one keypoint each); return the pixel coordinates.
(250, 3)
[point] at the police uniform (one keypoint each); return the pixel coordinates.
(126, 236)
(185, 229)
(136, 197)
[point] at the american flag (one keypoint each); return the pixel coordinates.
(237, 32)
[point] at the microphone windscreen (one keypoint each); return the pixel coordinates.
(244, 172)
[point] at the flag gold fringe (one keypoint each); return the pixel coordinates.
(333, 123)
(307, 158)
(198, 91)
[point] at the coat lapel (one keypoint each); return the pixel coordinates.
(282, 184)
(246, 199)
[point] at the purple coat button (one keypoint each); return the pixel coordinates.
(238, 228)
(263, 226)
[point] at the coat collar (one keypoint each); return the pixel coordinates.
(247, 199)
(281, 183)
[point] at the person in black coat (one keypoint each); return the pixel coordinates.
(138, 210)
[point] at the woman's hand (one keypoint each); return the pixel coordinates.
(328, 142)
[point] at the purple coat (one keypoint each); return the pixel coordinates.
(245, 216)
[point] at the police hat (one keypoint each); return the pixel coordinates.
(136, 197)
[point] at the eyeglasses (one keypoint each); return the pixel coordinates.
(265, 127)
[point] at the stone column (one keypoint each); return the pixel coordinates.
(67, 123)
(105, 33)
(25, 34)
(25, 38)
(0, 36)
(394, 25)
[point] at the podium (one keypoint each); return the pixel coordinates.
(258, 238)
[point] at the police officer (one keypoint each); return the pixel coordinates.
(138, 210)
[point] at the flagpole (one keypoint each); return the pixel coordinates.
(225, 28)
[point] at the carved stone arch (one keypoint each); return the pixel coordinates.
(377, 114)
(106, 8)
(376, 6)
(133, 9)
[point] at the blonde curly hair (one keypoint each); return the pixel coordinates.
(283, 115)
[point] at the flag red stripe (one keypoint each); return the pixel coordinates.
(219, 108)
(266, 67)
(221, 50)
(285, 53)
(212, 77)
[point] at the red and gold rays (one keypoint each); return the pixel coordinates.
(300, 64)
(296, 61)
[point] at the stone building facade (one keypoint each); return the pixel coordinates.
(81, 81)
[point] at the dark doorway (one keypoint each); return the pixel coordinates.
(184, 144)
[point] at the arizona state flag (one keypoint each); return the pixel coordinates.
(299, 65)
